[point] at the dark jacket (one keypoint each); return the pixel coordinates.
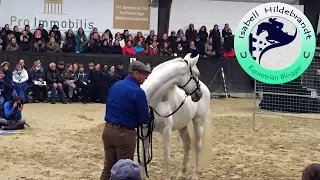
(37, 74)
(83, 77)
(7, 88)
(53, 77)
(69, 75)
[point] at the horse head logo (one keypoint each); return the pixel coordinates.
(276, 37)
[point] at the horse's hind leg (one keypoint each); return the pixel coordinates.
(198, 132)
(186, 140)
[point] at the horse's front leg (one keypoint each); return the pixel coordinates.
(166, 134)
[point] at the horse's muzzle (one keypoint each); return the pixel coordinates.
(196, 96)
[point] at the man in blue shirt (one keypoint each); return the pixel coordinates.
(11, 117)
(126, 109)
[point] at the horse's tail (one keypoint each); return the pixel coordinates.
(206, 144)
(276, 45)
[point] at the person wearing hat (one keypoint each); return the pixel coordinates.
(57, 33)
(126, 109)
(126, 169)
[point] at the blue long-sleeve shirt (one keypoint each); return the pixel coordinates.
(127, 104)
(9, 111)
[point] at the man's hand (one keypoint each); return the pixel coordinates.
(55, 85)
(15, 105)
(20, 108)
(59, 85)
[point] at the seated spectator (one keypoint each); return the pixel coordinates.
(164, 39)
(116, 48)
(179, 51)
(84, 84)
(138, 36)
(119, 71)
(39, 35)
(172, 37)
(57, 33)
(165, 50)
(25, 45)
(63, 42)
(52, 45)
(12, 46)
(130, 38)
(112, 76)
(11, 115)
(208, 48)
(81, 46)
(80, 34)
(6, 88)
(8, 73)
(105, 47)
(70, 42)
(126, 169)
(54, 81)
(192, 49)
(184, 42)
(70, 79)
(128, 49)
(20, 77)
(75, 67)
(39, 85)
(149, 38)
(125, 35)
(107, 35)
(23, 33)
(153, 49)
(139, 49)
(39, 46)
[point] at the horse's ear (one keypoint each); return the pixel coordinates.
(187, 57)
(194, 60)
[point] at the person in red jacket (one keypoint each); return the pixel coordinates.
(153, 49)
(128, 49)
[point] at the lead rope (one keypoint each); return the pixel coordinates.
(142, 137)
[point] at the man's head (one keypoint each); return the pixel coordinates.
(126, 169)
(61, 65)
(138, 71)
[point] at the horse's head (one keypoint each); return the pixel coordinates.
(189, 80)
(262, 27)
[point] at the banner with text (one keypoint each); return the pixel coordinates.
(115, 15)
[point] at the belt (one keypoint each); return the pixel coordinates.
(118, 126)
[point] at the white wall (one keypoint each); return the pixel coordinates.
(209, 13)
(99, 13)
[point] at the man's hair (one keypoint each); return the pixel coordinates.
(81, 66)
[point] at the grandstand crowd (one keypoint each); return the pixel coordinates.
(91, 82)
(202, 41)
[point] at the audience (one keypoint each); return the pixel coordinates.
(201, 42)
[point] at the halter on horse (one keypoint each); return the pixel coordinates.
(192, 87)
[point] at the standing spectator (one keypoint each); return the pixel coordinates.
(5, 31)
(138, 36)
(122, 112)
(153, 49)
(150, 37)
(105, 47)
(28, 32)
(226, 32)
(164, 39)
(52, 46)
(25, 45)
(139, 49)
(191, 33)
(125, 35)
(54, 82)
(216, 40)
(116, 48)
(38, 87)
(203, 34)
(17, 34)
(180, 33)
(44, 33)
(81, 46)
(84, 84)
(13, 46)
(20, 77)
(118, 37)
(128, 49)
(166, 50)
(57, 33)
(80, 34)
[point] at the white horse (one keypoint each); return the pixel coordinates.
(169, 84)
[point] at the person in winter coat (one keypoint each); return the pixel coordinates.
(6, 88)
(54, 81)
(139, 49)
(70, 79)
(128, 49)
(20, 77)
(38, 86)
(83, 82)
(116, 48)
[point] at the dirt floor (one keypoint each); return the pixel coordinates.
(64, 143)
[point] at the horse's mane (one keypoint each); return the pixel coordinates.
(162, 65)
